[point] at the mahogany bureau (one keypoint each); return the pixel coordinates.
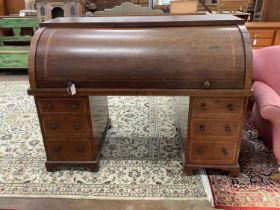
(75, 63)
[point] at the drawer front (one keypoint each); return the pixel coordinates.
(69, 151)
(261, 34)
(261, 42)
(203, 106)
(61, 105)
(215, 152)
(66, 127)
(277, 38)
(201, 128)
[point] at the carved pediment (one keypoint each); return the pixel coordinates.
(126, 8)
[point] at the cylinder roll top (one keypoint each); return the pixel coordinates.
(161, 56)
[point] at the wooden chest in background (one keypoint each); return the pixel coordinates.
(264, 34)
(233, 5)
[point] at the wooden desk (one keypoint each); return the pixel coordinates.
(264, 34)
(182, 55)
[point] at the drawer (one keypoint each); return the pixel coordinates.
(61, 105)
(231, 5)
(277, 38)
(261, 34)
(214, 106)
(213, 152)
(261, 42)
(66, 127)
(69, 150)
(201, 128)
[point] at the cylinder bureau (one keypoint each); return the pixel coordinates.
(75, 63)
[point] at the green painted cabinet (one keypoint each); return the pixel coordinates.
(11, 55)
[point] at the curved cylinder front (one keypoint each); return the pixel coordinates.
(159, 57)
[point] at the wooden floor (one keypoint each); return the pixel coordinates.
(71, 204)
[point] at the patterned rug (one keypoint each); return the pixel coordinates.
(140, 158)
(253, 189)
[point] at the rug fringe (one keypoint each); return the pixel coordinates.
(207, 187)
(245, 208)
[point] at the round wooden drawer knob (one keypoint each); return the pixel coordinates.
(231, 107)
(200, 151)
(204, 106)
(54, 126)
(206, 84)
(77, 126)
(49, 106)
(225, 151)
(227, 128)
(81, 148)
(57, 149)
(74, 106)
(202, 128)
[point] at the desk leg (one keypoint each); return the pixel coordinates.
(91, 165)
(74, 129)
(210, 132)
(234, 172)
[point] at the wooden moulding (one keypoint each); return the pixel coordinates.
(262, 25)
(233, 169)
(31, 58)
(143, 92)
(248, 56)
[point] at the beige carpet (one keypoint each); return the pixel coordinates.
(140, 158)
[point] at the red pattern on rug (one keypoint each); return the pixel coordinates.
(253, 189)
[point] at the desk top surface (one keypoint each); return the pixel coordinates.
(144, 21)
